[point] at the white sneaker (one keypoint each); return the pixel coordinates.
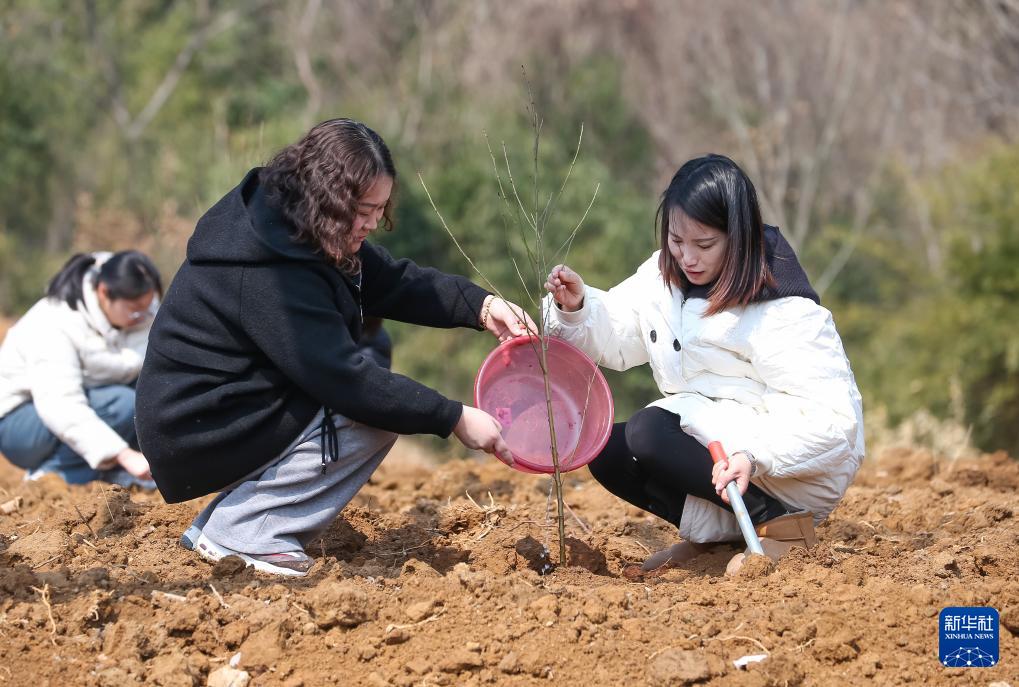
(190, 536)
(35, 475)
(290, 563)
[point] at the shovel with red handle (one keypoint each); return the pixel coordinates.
(746, 526)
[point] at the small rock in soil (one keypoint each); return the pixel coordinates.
(228, 566)
(680, 667)
(228, 677)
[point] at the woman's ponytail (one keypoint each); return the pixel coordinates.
(66, 284)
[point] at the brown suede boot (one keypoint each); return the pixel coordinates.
(795, 528)
(772, 549)
(778, 537)
(674, 556)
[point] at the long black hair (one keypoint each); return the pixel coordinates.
(127, 274)
(712, 190)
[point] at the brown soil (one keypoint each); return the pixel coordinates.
(418, 585)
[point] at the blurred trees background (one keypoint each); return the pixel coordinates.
(881, 134)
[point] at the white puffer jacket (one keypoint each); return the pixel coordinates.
(53, 353)
(771, 378)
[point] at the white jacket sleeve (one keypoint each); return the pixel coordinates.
(59, 397)
(607, 326)
(813, 415)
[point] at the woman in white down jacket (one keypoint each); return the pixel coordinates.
(742, 352)
(67, 370)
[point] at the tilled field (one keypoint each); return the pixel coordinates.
(438, 575)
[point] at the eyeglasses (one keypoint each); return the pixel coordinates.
(138, 317)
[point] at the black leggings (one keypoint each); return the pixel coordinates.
(653, 464)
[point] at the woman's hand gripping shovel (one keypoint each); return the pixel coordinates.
(736, 501)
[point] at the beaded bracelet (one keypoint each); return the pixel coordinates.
(484, 313)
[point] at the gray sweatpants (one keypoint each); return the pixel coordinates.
(285, 505)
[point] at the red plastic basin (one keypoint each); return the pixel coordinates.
(510, 387)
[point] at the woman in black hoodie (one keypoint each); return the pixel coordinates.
(254, 384)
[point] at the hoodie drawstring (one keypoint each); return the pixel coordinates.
(329, 438)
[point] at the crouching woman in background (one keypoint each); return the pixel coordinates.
(67, 369)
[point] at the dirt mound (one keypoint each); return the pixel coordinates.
(450, 575)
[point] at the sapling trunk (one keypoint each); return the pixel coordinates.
(532, 226)
(557, 475)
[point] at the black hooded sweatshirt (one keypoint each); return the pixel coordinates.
(258, 332)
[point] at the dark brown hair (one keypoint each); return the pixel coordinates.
(319, 180)
(128, 274)
(713, 191)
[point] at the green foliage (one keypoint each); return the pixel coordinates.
(25, 155)
(615, 238)
(921, 332)
(950, 344)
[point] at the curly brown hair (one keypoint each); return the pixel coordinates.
(319, 179)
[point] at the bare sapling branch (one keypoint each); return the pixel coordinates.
(533, 224)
